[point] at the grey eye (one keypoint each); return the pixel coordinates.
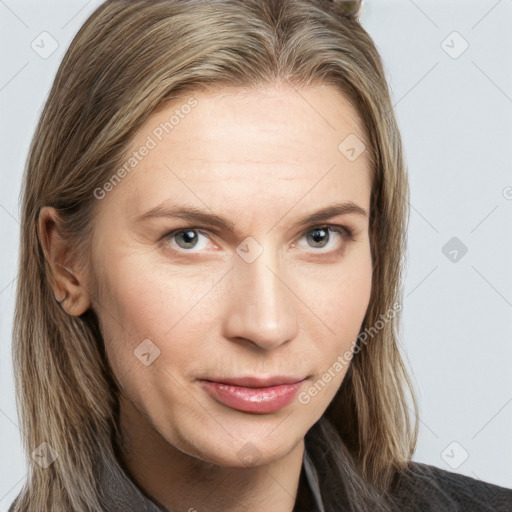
(319, 237)
(186, 239)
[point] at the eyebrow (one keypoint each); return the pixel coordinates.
(200, 216)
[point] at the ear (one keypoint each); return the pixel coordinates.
(68, 283)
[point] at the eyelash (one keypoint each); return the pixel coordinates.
(345, 232)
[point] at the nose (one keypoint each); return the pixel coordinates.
(261, 307)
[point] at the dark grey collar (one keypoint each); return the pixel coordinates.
(120, 493)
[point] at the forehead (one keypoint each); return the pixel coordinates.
(253, 147)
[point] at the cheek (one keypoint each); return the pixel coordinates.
(141, 301)
(141, 312)
(354, 293)
(340, 295)
(342, 308)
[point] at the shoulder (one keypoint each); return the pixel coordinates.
(427, 488)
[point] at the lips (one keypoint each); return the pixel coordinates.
(257, 395)
(257, 382)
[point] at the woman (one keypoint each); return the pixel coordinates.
(214, 214)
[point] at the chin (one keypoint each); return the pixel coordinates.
(246, 448)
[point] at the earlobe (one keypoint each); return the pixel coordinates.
(67, 284)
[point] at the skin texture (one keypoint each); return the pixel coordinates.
(263, 159)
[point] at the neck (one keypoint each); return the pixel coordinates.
(183, 483)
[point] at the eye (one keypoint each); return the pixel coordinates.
(187, 239)
(319, 237)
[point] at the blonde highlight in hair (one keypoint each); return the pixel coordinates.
(148, 53)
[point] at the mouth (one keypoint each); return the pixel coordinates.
(254, 395)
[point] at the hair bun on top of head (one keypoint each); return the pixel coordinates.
(349, 8)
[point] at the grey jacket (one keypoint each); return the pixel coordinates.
(425, 488)
(122, 495)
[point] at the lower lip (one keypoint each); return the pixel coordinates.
(253, 400)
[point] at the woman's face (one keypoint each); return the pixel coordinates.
(243, 285)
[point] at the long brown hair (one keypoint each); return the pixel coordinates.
(128, 59)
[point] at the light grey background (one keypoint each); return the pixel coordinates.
(454, 109)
